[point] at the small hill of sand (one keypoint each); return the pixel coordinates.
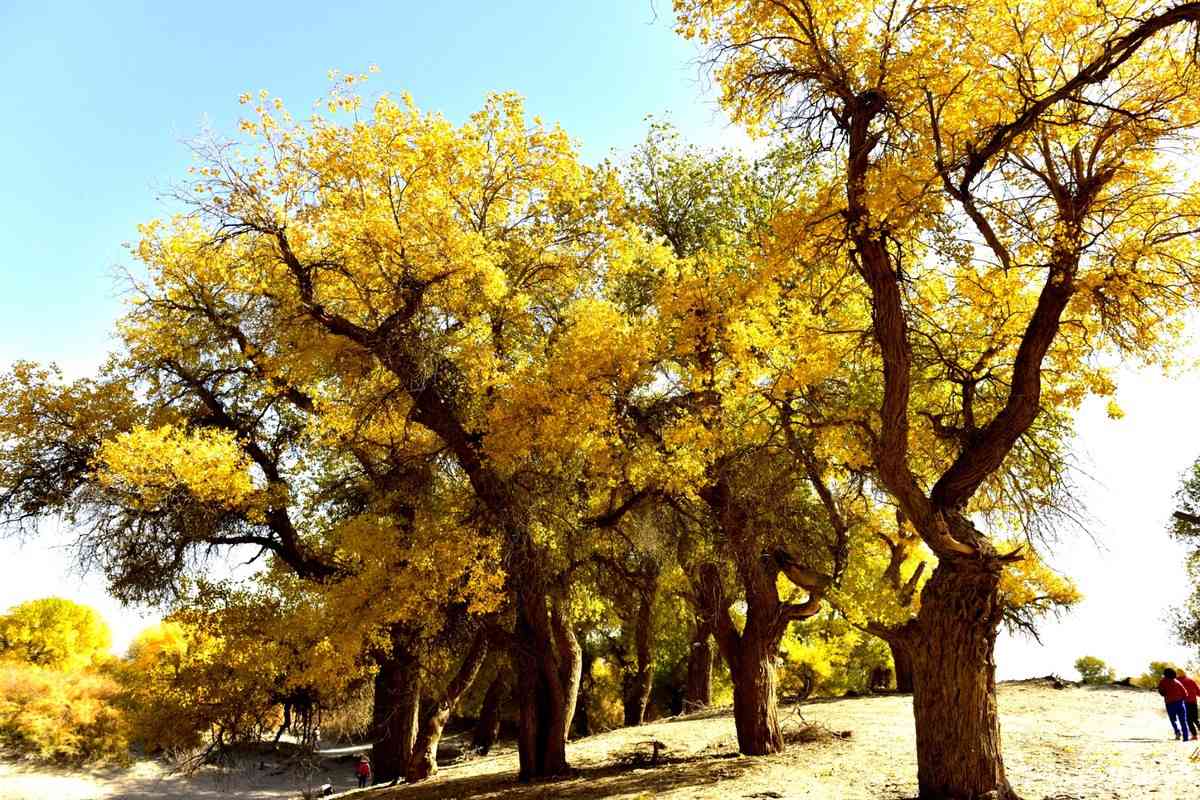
(1074, 743)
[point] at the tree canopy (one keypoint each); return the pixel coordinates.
(463, 393)
(54, 632)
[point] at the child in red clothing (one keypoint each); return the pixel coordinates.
(363, 771)
(1174, 695)
(1189, 702)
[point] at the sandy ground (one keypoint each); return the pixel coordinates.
(1068, 744)
(147, 780)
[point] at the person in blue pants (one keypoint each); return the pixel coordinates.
(1174, 695)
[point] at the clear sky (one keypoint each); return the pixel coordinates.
(98, 99)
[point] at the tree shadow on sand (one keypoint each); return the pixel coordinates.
(584, 783)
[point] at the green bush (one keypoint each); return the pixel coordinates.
(1150, 679)
(1093, 670)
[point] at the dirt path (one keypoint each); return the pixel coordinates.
(148, 780)
(1069, 744)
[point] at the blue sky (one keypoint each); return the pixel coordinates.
(97, 101)
(99, 98)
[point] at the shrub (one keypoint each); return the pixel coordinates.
(1093, 670)
(63, 717)
(1150, 679)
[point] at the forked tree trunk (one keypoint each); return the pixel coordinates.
(548, 662)
(755, 706)
(394, 715)
(637, 684)
(954, 684)
(750, 658)
(698, 691)
(487, 728)
(423, 762)
(902, 667)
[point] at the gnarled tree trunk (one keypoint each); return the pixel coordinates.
(394, 714)
(582, 724)
(755, 702)
(548, 663)
(423, 762)
(951, 644)
(751, 653)
(487, 727)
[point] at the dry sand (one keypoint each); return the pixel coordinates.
(147, 780)
(1059, 744)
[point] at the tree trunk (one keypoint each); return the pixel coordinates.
(423, 762)
(698, 694)
(487, 728)
(287, 720)
(635, 696)
(755, 707)
(637, 684)
(903, 668)
(570, 669)
(954, 688)
(548, 662)
(749, 656)
(394, 715)
(582, 725)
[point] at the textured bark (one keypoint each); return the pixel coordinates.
(487, 727)
(750, 653)
(582, 724)
(636, 684)
(952, 647)
(548, 662)
(423, 762)
(394, 715)
(755, 704)
(698, 692)
(903, 667)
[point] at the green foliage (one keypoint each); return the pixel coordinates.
(828, 656)
(1093, 670)
(1185, 527)
(1150, 678)
(54, 633)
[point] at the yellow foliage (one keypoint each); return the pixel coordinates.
(55, 633)
(148, 465)
(828, 656)
(164, 702)
(1031, 584)
(61, 716)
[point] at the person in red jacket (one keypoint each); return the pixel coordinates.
(363, 771)
(1174, 695)
(1189, 702)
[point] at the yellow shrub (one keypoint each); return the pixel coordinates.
(66, 717)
